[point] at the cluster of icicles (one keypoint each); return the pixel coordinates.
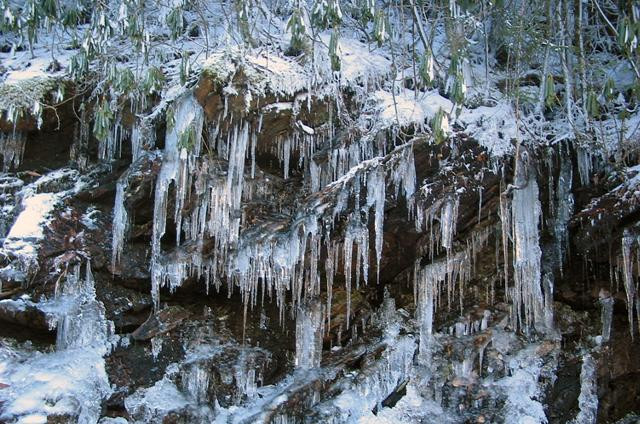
(12, 149)
(273, 259)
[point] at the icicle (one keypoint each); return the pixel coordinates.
(547, 282)
(286, 156)
(188, 117)
(276, 258)
(12, 149)
(464, 369)
(82, 322)
(479, 203)
(505, 222)
(348, 251)
(455, 267)
(120, 223)
(142, 136)
(156, 347)
(245, 376)
(79, 152)
(427, 287)
(235, 176)
(109, 148)
(484, 323)
(628, 241)
(404, 174)
(254, 144)
(606, 316)
(137, 141)
(309, 332)
(549, 163)
(564, 209)
(376, 198)
(448, 221)
(331, 269)
(195, 379)
(314, 174)
(481, 349)
(588, 398)
(585, 165)
(525, 209)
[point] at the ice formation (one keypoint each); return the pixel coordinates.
(12, 149)
(120, 222)
(151, 404)
(522, 390)
(588, 398)
(606, 314)
(628, 242)
(364, 391)
(79, 151)
(349, 176)
(78, 296)
(585, 165)
(27, 231)
(309, 332)
(142, 135)
(428, 284)
(261, 255)
(449, 276)
(564, 207)
(527, 297)
(110, 147)
(176, 164)
(72, 380)
(439, 219)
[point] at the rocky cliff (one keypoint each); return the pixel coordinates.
(270, 245)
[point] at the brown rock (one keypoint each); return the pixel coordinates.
(161, 322)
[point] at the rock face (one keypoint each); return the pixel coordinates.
(257, 259)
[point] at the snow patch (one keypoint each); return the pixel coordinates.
(494, 127)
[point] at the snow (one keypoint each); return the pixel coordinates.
(408, 108)
(494, 127)
(109, 420)
(56, 383)
(39, 199)
(265, 73)
(49, 309)
(410, 409)
(27, 74)
(29, 225)
(28, 231)
(151, 404)
(359, 64)
(21, 95)
(22, 66)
